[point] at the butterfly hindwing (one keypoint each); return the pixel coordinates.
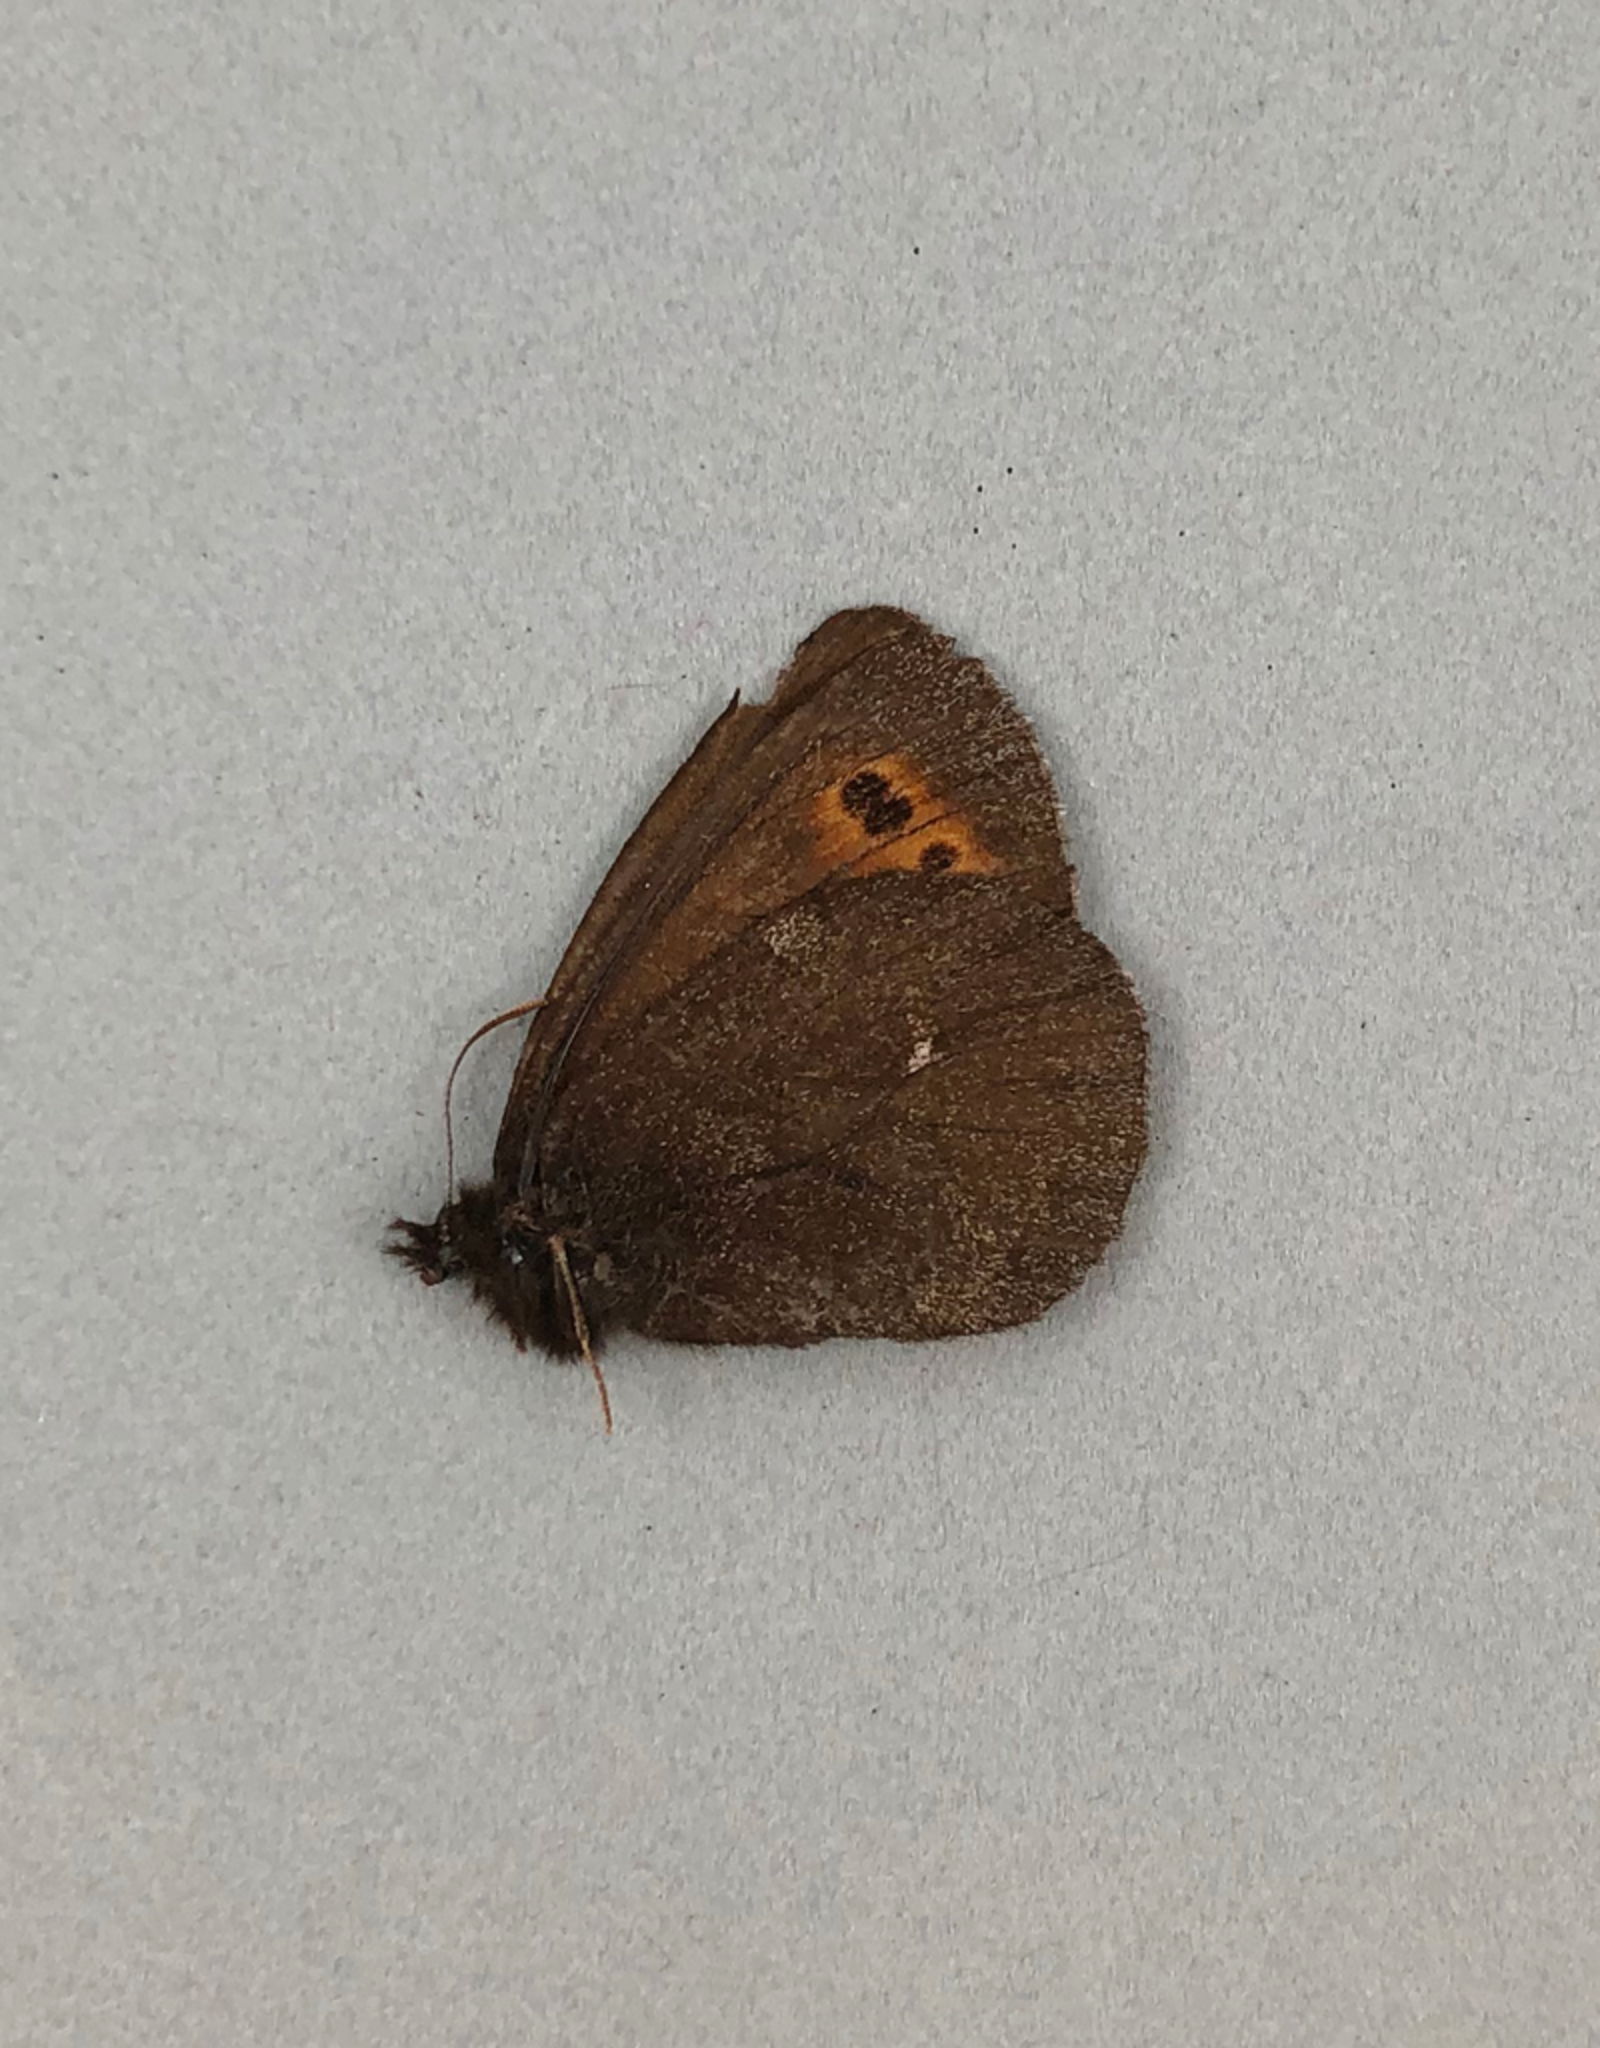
(906, 1105)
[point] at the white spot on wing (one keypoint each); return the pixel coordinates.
(921, 1055)
(793, 935)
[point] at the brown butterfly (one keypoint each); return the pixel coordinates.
(830, 1055)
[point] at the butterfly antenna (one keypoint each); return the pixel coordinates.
(580, 1323)
(505, 1017)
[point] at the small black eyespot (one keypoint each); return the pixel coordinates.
(862, 791)
(867, 796)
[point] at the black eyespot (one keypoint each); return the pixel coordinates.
(941, 854)
(867, 796)
(862, 791)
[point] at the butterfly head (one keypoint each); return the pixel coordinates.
(427, 1248)
(505, 1253)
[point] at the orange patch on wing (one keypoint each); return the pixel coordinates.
(883, 815)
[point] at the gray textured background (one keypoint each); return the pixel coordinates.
(415, 428)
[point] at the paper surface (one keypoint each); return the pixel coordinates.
(419, 427)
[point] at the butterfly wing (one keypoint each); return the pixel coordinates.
(882, 751)
(909, 1105)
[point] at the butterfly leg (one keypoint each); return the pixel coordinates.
(580, 1323)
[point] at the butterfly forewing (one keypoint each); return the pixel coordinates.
(882, 749)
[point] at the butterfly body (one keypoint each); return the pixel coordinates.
(831, 1054)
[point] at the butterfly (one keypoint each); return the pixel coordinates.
(830, 1054)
